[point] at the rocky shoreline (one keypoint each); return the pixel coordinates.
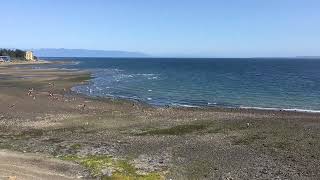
(112, 138)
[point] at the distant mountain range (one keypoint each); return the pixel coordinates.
(51, 52)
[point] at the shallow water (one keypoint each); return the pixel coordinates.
(253, 82)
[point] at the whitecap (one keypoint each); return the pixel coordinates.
(155, 77)
(183, 105)
(146, 74)
(209, 103)
(281, 109)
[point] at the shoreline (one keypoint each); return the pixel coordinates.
(178, 106)
(144, 103)
(24, 62)
(204, 104)
(40, 114)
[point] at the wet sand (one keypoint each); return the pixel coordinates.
(24, 62)
(39, 114)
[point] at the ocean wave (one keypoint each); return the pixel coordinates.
(183, 105)
(146, 74)
(119, 74)
(74, 62)
(118, 83)
(281, 109)
(212, 103)
(151, 78)
(94, 90)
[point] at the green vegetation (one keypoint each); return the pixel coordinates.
(32, 133)
(95, 164)
(176, 130)
(15, 54)
(202, 127)
(226, 127)
(75, 146)
(121, 169)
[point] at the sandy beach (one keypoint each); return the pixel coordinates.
(111, 138)
(24, 62)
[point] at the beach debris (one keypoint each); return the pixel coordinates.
(82, 107)
(53, 96)
(51, 84)
(30, 92)
(12, 106)
(248, 125)
(64, 90)
(50, 92)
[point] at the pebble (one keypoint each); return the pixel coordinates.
(106, 172)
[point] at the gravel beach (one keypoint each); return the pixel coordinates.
(112, 138)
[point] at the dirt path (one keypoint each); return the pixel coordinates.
(32, 166)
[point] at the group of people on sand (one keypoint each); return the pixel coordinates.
(31, 93)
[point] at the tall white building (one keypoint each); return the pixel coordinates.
(29, 56)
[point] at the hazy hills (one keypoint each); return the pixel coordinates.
(51, 52)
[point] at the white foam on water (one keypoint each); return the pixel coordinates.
(302, 110)
(151, 78)
(209, 103)
(98, 88)
(184, 105)
(74, 62)
(281, 109)
(146, 74)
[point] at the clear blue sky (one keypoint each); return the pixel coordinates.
(165, 27)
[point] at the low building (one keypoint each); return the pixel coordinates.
(29, 56)
(5, 59)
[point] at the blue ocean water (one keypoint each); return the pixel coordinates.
(247, 83)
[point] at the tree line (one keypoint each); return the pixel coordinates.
(16, 54)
